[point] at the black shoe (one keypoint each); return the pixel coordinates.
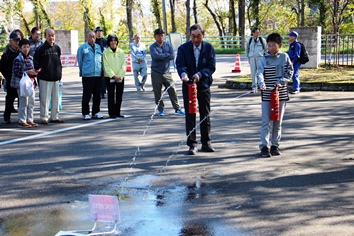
(14, 110)
(274, 150)
(192, 150)
(7, 121)
(265, 152)
(295, 92)
(207, 148)
(102, 96)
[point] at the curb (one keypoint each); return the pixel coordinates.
(304, 86)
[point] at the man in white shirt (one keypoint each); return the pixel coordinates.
(138, 53)
(255, 49)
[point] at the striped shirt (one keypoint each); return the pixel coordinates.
(271, 80)
(274, 69)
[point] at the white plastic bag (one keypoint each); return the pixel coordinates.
(26, 86)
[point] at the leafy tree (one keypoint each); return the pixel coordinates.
(218, 14)
(12, 11)
(156, 10)
(253, 13)
(319, 14)
(338, 9)
(88, 15)
(64, 16)
(348, 15)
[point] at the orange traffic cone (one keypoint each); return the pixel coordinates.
(129, 64)
(237, 64)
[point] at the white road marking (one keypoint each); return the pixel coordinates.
(54, 131)
(24, 130)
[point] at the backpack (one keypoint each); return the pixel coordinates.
(260, 39)
(304, 55)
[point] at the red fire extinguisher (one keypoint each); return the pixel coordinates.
(192, 97)
(274, 104)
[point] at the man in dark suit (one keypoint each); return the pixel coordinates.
(196, 62)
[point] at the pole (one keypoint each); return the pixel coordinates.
(164, 16)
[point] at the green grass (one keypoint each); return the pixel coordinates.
(320, 75)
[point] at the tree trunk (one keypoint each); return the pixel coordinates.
(188, 19)
(89, 24)
(46, 15)
(232, 18)
(102, 21)
(25, 23)
(86, 21)
(195, 12)
(302, 12)
(129, 8)
(218, 24)
(323, 14)
(173, 21)
(242, 22)
(299, 12)
(37, 14)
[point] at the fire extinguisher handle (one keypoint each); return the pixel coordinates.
(192, 80)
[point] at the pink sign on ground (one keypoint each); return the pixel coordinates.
(104, 208)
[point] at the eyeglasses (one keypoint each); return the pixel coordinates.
(196, 36)
(272, 45)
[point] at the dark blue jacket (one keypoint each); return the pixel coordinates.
(185, 63)
(294, 51)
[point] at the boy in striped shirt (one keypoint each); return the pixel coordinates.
(275, 70)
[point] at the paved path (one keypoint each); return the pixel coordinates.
(308, 190)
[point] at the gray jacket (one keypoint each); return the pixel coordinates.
(256, 49)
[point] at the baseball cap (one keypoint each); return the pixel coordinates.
(158, 31)
(98, 28)
(14, 36)
(293, 33)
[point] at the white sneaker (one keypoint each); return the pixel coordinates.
(87, 117)
(98, 116)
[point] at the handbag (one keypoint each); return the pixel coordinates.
(26, 86)
(60, 95)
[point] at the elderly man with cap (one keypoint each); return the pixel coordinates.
(294, 54)
(103, 43)
(161, 55)
(138, 52)
(6, 64)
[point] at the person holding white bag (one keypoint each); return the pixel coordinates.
(23, 69)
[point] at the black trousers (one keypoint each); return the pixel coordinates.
(91, 88)
(204, 111)
(115, 97)
(10, 97)
(103, 86)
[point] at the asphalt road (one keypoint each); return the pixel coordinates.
(308, 190)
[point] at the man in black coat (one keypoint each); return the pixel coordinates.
(196, 62)
(6, 63)
(47, 60)
(103, 43)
